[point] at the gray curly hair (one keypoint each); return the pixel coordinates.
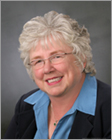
(61, 27)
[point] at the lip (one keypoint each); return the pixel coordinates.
(55, 82)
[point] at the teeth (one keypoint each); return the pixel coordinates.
(54, 80)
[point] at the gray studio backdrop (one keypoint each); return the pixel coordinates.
(95, 15)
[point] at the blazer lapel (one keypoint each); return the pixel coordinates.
(27, 125)
(30, 131)
(81, 126)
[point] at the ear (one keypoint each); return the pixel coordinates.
(84, 64)
(84, 61)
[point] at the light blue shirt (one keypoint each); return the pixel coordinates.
(85, 102)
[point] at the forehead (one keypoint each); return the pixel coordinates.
(49, 47)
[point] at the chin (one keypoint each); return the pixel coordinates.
(54, 93)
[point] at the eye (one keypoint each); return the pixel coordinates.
(57, 56)
(38, 61)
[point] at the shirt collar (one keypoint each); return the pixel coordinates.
(39, 97)
(85, 102)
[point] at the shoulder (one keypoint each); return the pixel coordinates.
(103, 85)
(24, 96)
(103, 108)
(103, 105)
(22, 106)
(103, 91)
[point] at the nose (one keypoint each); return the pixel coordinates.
(48, 67)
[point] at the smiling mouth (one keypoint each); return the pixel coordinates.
(54, 80)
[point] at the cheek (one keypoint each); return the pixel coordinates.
(73, 71)
(64, 68)
(37, 74)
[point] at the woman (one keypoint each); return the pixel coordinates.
(70, 102)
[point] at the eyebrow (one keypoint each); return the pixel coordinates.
(52, 53)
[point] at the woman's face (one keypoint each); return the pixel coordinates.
(60, 79)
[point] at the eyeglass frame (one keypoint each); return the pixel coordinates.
(30, 63)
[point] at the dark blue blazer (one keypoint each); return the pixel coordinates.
(23, 125)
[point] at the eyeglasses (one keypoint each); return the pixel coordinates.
(54, 59)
